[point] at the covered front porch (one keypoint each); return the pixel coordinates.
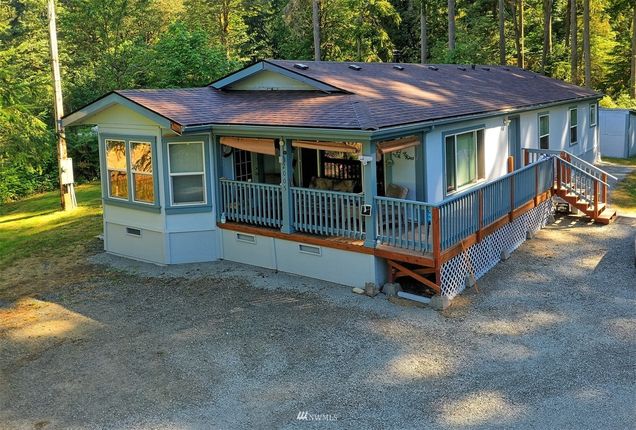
(343, 195)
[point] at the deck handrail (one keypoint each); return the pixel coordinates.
(404, 223)
(251, 202)
(484, 184)
(578, 169)
(326, 212)
(576, 158)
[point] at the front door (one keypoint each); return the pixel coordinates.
(514, 141)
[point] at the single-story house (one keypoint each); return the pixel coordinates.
(618, 132)
(346, 172)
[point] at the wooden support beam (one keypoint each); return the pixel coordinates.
(412, 274)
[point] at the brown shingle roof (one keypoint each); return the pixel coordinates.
(381, 96)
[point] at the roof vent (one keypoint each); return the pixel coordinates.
(462, 68)
(486, 69)
(355, 67)
(507, 69)
(472, 66)
(301, 66)
(433, 68)
(398, 67)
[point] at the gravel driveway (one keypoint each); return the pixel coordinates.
(548, 342)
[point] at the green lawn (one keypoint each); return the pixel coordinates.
(621, 161)
(36, 226)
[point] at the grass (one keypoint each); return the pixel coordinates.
(624, 195)
(621, 161)
(36, 226)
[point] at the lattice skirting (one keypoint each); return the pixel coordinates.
(487, 253)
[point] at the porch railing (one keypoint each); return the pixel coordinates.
(329, 213)
(404, 223)
(259, 204)
(471, 211)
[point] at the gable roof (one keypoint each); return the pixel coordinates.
(375, 96)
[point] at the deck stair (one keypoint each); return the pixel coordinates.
(582, 185)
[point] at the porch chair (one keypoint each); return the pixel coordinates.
(395, 191)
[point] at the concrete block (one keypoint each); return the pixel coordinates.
(391, 289)
(357, 290)
(529, 235)
(440, 303)
(370, 289)
(470, 281)
(505, 254)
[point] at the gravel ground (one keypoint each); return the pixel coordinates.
(548, 342)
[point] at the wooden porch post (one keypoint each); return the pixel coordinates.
(526, 157)
(511, 168)
(437, 245)
(604, 189)
(286, 182)
(370, 189)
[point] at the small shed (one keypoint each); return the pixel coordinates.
(618, 132)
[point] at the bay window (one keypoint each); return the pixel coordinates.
(130, 169)
(117, 169)
(187, 173)
(464, 159)
(143, 182)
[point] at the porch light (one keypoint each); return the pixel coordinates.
(506, 121)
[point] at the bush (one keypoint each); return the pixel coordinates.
(17, 182)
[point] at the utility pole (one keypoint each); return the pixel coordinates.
(67, 192)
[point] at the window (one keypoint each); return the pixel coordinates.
(574, 123)
(464, 159)
(593, 114)
(129, 170)
(544, 131)
(141, 170)
(242, 165)
(117, 168)
(187, 173)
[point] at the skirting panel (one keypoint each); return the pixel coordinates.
(484, 255)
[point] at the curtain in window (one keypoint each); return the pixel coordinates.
(465, 160)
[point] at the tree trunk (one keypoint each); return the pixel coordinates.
(566, 23)
(586, 43)
(502, 34)
(515, 20)
(574, 59)
(451, 25)
(423, 33)
(316, 28)
(522, 35)
(633, 87)
(547, 34)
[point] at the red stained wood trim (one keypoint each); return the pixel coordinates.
(328, 242)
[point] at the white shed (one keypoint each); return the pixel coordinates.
(618, 132)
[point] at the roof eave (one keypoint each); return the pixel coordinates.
(81, 115)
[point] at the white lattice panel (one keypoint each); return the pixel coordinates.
(486, 254)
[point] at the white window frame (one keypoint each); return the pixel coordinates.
(108, 169)
(477, 160)
(171, 175)
(593, 108)
(133, 172)
(546, 115)
(570, 126)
